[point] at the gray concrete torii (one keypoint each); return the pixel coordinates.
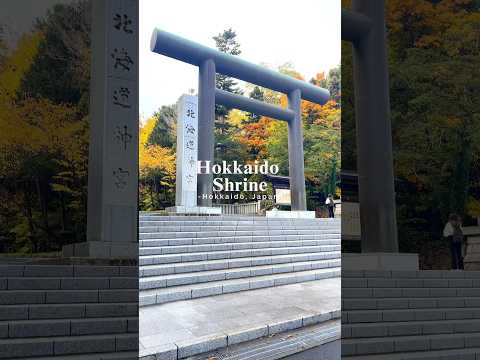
(210, 62)
(364, 27)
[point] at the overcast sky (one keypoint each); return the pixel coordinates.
(18, 16)
(303, 32)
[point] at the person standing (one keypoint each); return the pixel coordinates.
(454, 233)
(330, 206)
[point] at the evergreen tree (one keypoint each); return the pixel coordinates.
(162, 133)
(61, 71)
(226, 42)
(256, 94)
(334, 84)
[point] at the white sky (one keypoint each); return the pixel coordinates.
(303, 32)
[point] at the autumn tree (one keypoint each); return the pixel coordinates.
(44, 132)
(156, 169)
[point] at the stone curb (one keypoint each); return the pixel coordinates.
(202, 345)
(156, 299)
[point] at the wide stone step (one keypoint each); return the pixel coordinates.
(12, 270)
(182, 249)
(410, 303)
(410, 283)
(410, 328)
(195, 266)
(235, 239)
(67, 327)
(68, 283)
(366, 316)
(149, 226)
(218, 225)
(392, 344)
(234, 233)
(323, 338)
(8, 297)
(160, 296)
(269, 342)
(419, 274)
(65, 311)
(455, 354)
(120, 355)
(232, 218)
(215, 255)
(166, 281)
(410, 292)
(67, 345)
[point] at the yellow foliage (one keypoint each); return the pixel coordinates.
(146, 130)
(473, 207)
(237, 117)
(39, 126)
(17, 64)
(153, 157)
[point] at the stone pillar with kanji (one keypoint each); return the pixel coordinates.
(112, 219)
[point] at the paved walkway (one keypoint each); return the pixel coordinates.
(180, 321)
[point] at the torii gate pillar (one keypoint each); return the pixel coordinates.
(374, 133)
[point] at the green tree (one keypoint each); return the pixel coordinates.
(61, 71)
(256, 94)
(163, 132)
(226, 42)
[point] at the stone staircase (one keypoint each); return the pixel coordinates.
(187, 257)
(238, 287)
(410, 315)
(68, 312)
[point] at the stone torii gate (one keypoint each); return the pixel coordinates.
(210, 62)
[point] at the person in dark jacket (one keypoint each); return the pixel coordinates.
(454, 233)
(330, 206)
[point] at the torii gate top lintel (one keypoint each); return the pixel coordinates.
(185, 50)
(211, 62)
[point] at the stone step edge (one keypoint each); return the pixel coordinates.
(70, 321)
(323, 337)
(176, 249)
(226, 261)
(384, 345)
(323, 237)
(225, 216)
(240, 268)
(449, 354)
(68, 271)
(408, 292)
(329, 263)
(379, 283)
(119, 355)
(231, 251)
(51, 341)
(193, 291)
(407, 311)
(363, 305)
(147, 228)
(224, 222)
(238, 233)
(58, 283)
(418, 274)
(365, 327)
(29, 308)
(75, 292)
(184, 349)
